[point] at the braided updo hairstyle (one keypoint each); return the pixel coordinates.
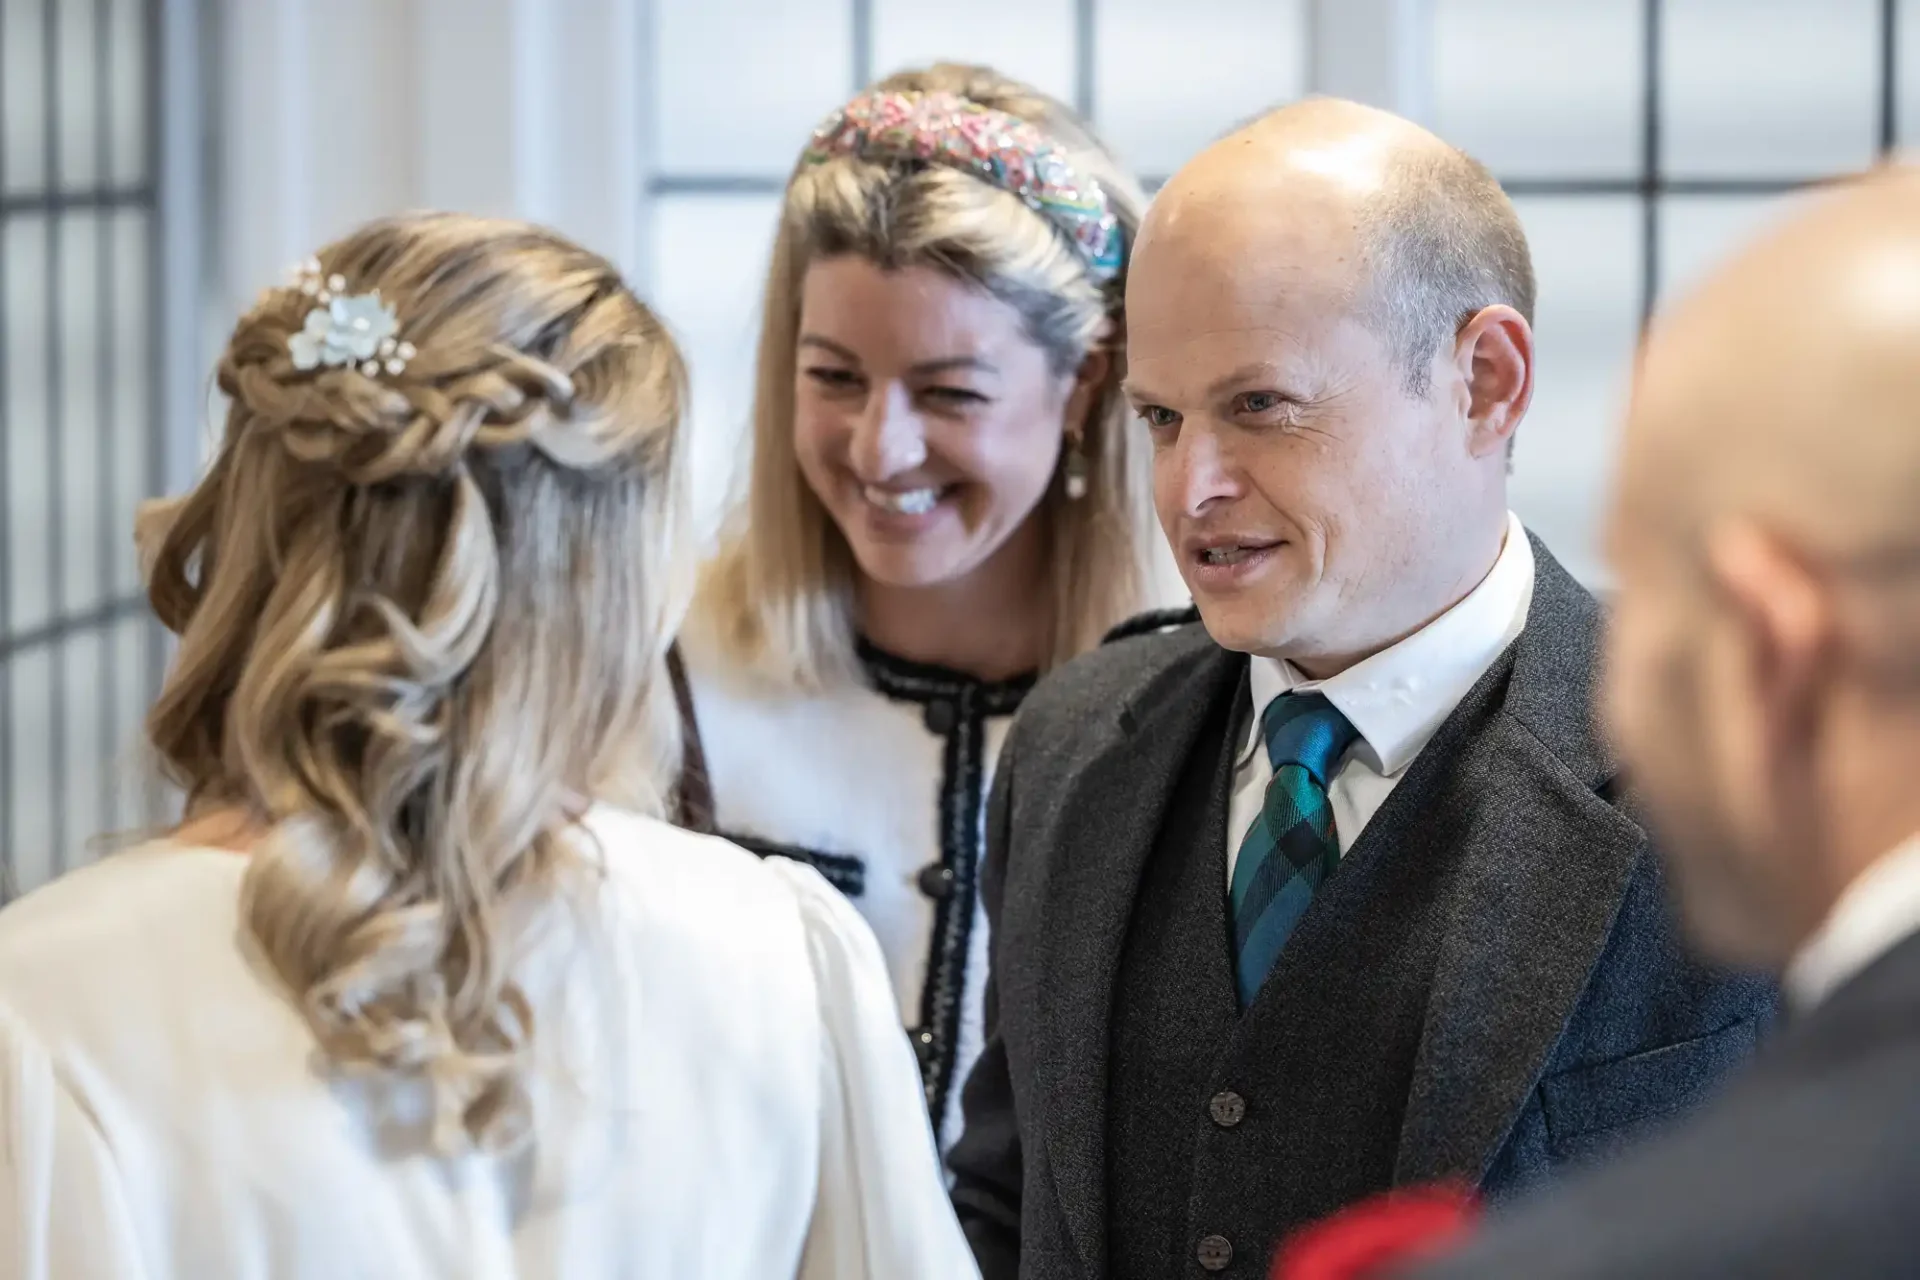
(420, 614)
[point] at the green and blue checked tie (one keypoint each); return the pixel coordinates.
(1291, 846)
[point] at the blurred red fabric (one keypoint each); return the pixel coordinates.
(1394, 1229)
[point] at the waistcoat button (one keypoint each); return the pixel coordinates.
(1214, 1253)
(1227, 1109)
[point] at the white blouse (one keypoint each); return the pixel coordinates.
(881, 786)
(722, 1092)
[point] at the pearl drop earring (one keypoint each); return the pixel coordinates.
(1076, 470)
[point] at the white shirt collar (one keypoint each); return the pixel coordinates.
(1878, 911)
(1399, 697)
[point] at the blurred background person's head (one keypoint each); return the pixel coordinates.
(420, 591)
(941, 458)
(1330, 341)
(1765, 673)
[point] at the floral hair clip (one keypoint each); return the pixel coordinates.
(346, 329)
(994, 146)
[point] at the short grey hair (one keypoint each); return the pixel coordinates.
(1442, 241)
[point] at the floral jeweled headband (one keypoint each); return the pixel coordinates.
(1002, 149)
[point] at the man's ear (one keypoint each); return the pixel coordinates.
(1787, 619)
(1493, 352)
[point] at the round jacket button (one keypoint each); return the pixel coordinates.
(1227, 1109)
(936, 882)
(940, 716)
(922, 1045)
(1214, 1253)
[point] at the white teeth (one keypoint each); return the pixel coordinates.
(1225, 555)
(910, 502)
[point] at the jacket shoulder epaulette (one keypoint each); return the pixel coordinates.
(1141, 624)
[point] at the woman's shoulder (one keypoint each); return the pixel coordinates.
(689, 872)
(744, 714)
(162, 898)
(102, 944)
(118, 902)
(711, 876)
(693, 895)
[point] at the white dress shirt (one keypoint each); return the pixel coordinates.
(1878, 911)
(1397, 699)
(721, 1090)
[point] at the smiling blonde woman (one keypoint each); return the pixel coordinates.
(946, 499)
(405, 996)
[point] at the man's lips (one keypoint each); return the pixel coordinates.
(1229, 550)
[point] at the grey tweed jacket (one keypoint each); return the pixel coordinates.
(1505, 904)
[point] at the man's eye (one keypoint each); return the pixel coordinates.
(1259, 402)
(835, 378)
(1157, 417)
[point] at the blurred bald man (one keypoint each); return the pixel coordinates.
(1764, 684)
(1329, 887)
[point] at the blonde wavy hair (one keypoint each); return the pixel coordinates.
(779, 595)
(419, 615)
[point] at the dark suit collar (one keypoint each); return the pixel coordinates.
(1556, 662)
(1118, 801)
(1194, 664)
(1530, 895)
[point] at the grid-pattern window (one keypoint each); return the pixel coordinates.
(1642, 141)
(732, 115)
(78, 420)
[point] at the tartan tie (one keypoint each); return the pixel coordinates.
(1291, 846)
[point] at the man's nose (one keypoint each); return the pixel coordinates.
(1204, 470)
(890, 437)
